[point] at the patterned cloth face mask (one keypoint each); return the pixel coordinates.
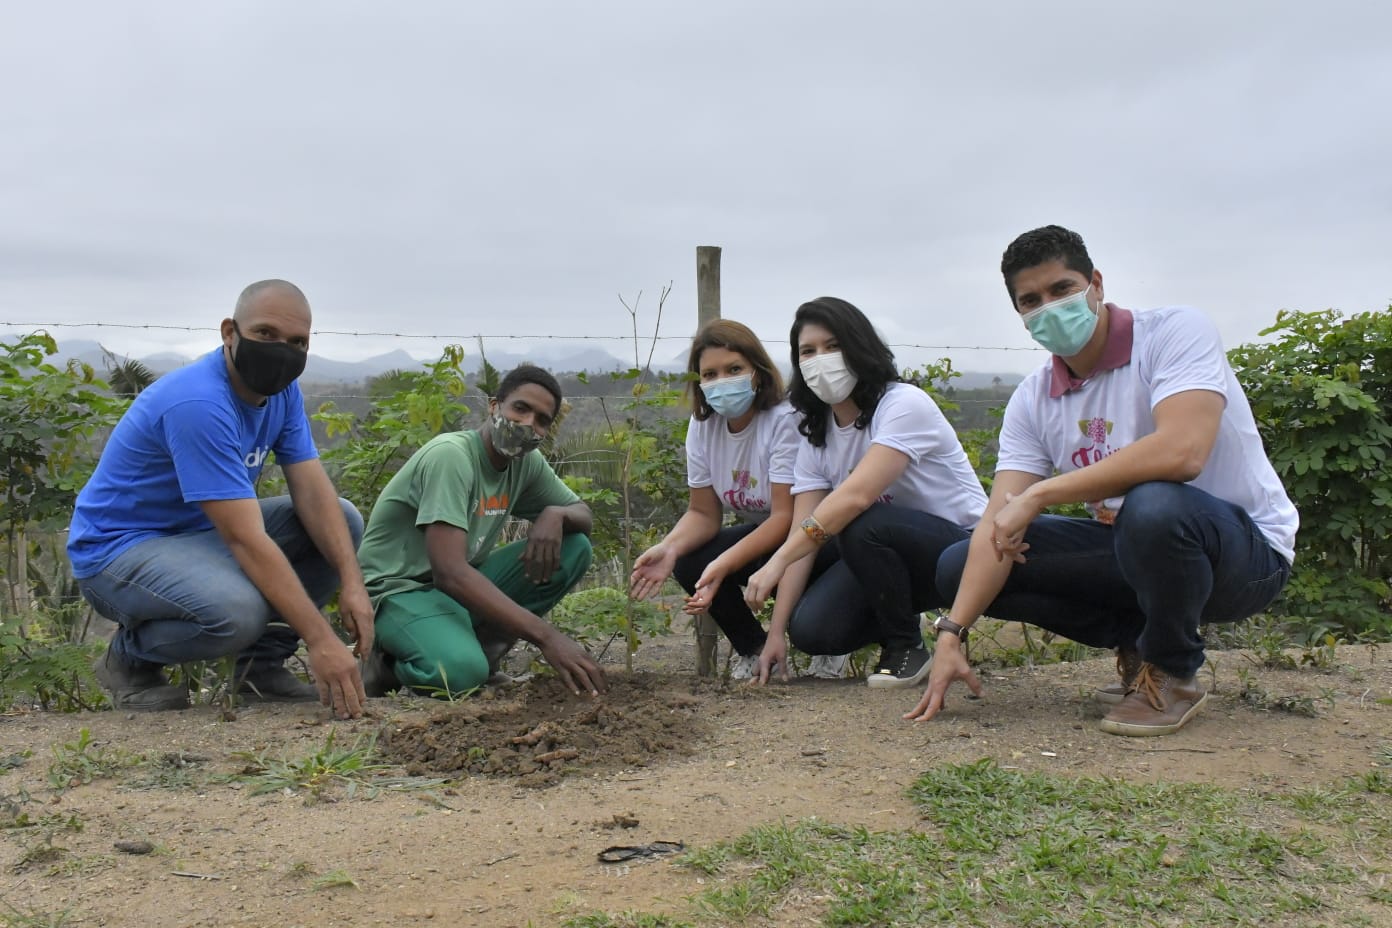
(513, 439)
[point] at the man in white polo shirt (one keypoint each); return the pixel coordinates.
(1138, 416)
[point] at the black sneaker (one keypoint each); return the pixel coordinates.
(275, 684)
(901, 667)
(137, 686)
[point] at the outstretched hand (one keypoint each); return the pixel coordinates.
(337, 676)
(706, 588)
(949, 666)
(761, 585)
(574, 665)
(651, 570)
(774, 654)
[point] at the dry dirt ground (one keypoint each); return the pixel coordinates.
(538, 783)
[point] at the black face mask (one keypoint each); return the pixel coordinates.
(267, 368)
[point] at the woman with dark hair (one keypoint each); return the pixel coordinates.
(740, 450)
(881, 483)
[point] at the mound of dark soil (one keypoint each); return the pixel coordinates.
(538, 733)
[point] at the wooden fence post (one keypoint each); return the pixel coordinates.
(707, 309)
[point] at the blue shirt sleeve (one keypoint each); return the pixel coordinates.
(295, 443)
(204, 442)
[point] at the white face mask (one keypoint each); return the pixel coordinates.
(828, 377)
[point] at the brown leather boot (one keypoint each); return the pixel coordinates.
(1158, 704)
(1128, 663)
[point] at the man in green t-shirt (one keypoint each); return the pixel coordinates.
(448, 605)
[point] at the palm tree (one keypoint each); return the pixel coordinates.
(126, 376)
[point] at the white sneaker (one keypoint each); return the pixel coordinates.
(744, 667)
(828, 666)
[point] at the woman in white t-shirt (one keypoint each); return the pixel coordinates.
(740, 450)
(882, 483)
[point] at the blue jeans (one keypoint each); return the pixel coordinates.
(183, 598)
(882, 574)
(1175, 558)
(729, 609)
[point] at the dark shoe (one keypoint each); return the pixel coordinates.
(275, 684)
(378, 674)
(1128, 662)
(137, 686)
(901, 667)
(1158, 704)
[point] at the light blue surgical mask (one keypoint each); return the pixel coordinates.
(730, 397)
(1064, 326)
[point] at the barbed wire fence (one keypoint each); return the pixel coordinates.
(471, 338)
(462, 337)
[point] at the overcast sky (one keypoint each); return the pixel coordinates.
(510, 168)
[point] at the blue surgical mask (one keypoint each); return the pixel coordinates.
(1064, 326)
(730, 397)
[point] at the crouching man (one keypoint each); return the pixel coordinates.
(169, 541)
(1139, 416)
(450, 606)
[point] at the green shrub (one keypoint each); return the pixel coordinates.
(1322, 397)
(599, 614)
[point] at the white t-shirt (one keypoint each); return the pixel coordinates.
(740, 466)
(1173, 349)
(939, 479)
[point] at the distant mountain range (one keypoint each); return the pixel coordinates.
(323, 370)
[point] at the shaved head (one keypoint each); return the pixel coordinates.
(263, 288)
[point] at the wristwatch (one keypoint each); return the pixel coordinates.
(943, 624)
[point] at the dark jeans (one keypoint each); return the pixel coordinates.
(1175, 558)
(183, 598)
(885, 577)
(729, 609)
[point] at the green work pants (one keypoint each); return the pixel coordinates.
(431, 636)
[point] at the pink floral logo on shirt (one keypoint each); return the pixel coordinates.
(742, 496)
(1095, 431)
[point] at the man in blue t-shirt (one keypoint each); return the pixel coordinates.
(169, 541)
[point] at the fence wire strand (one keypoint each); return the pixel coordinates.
(468, 337)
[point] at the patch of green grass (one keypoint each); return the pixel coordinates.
(82, 866)
(627, 920)
(1003, 847)
(1252, 693)
(988, 644)
(330, 765)
(349, 767)
(335, 879)
(83, 761)
(14, 761)
(172, 770)
(12, 916)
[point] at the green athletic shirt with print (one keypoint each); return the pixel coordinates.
(450, 480)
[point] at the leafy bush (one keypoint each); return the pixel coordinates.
(1322, 397)
(37, 670)
(599, 613)
(409, 409)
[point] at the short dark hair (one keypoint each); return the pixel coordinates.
(864, 352)
(529, 373)
(1039, 246)
(737, 337)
